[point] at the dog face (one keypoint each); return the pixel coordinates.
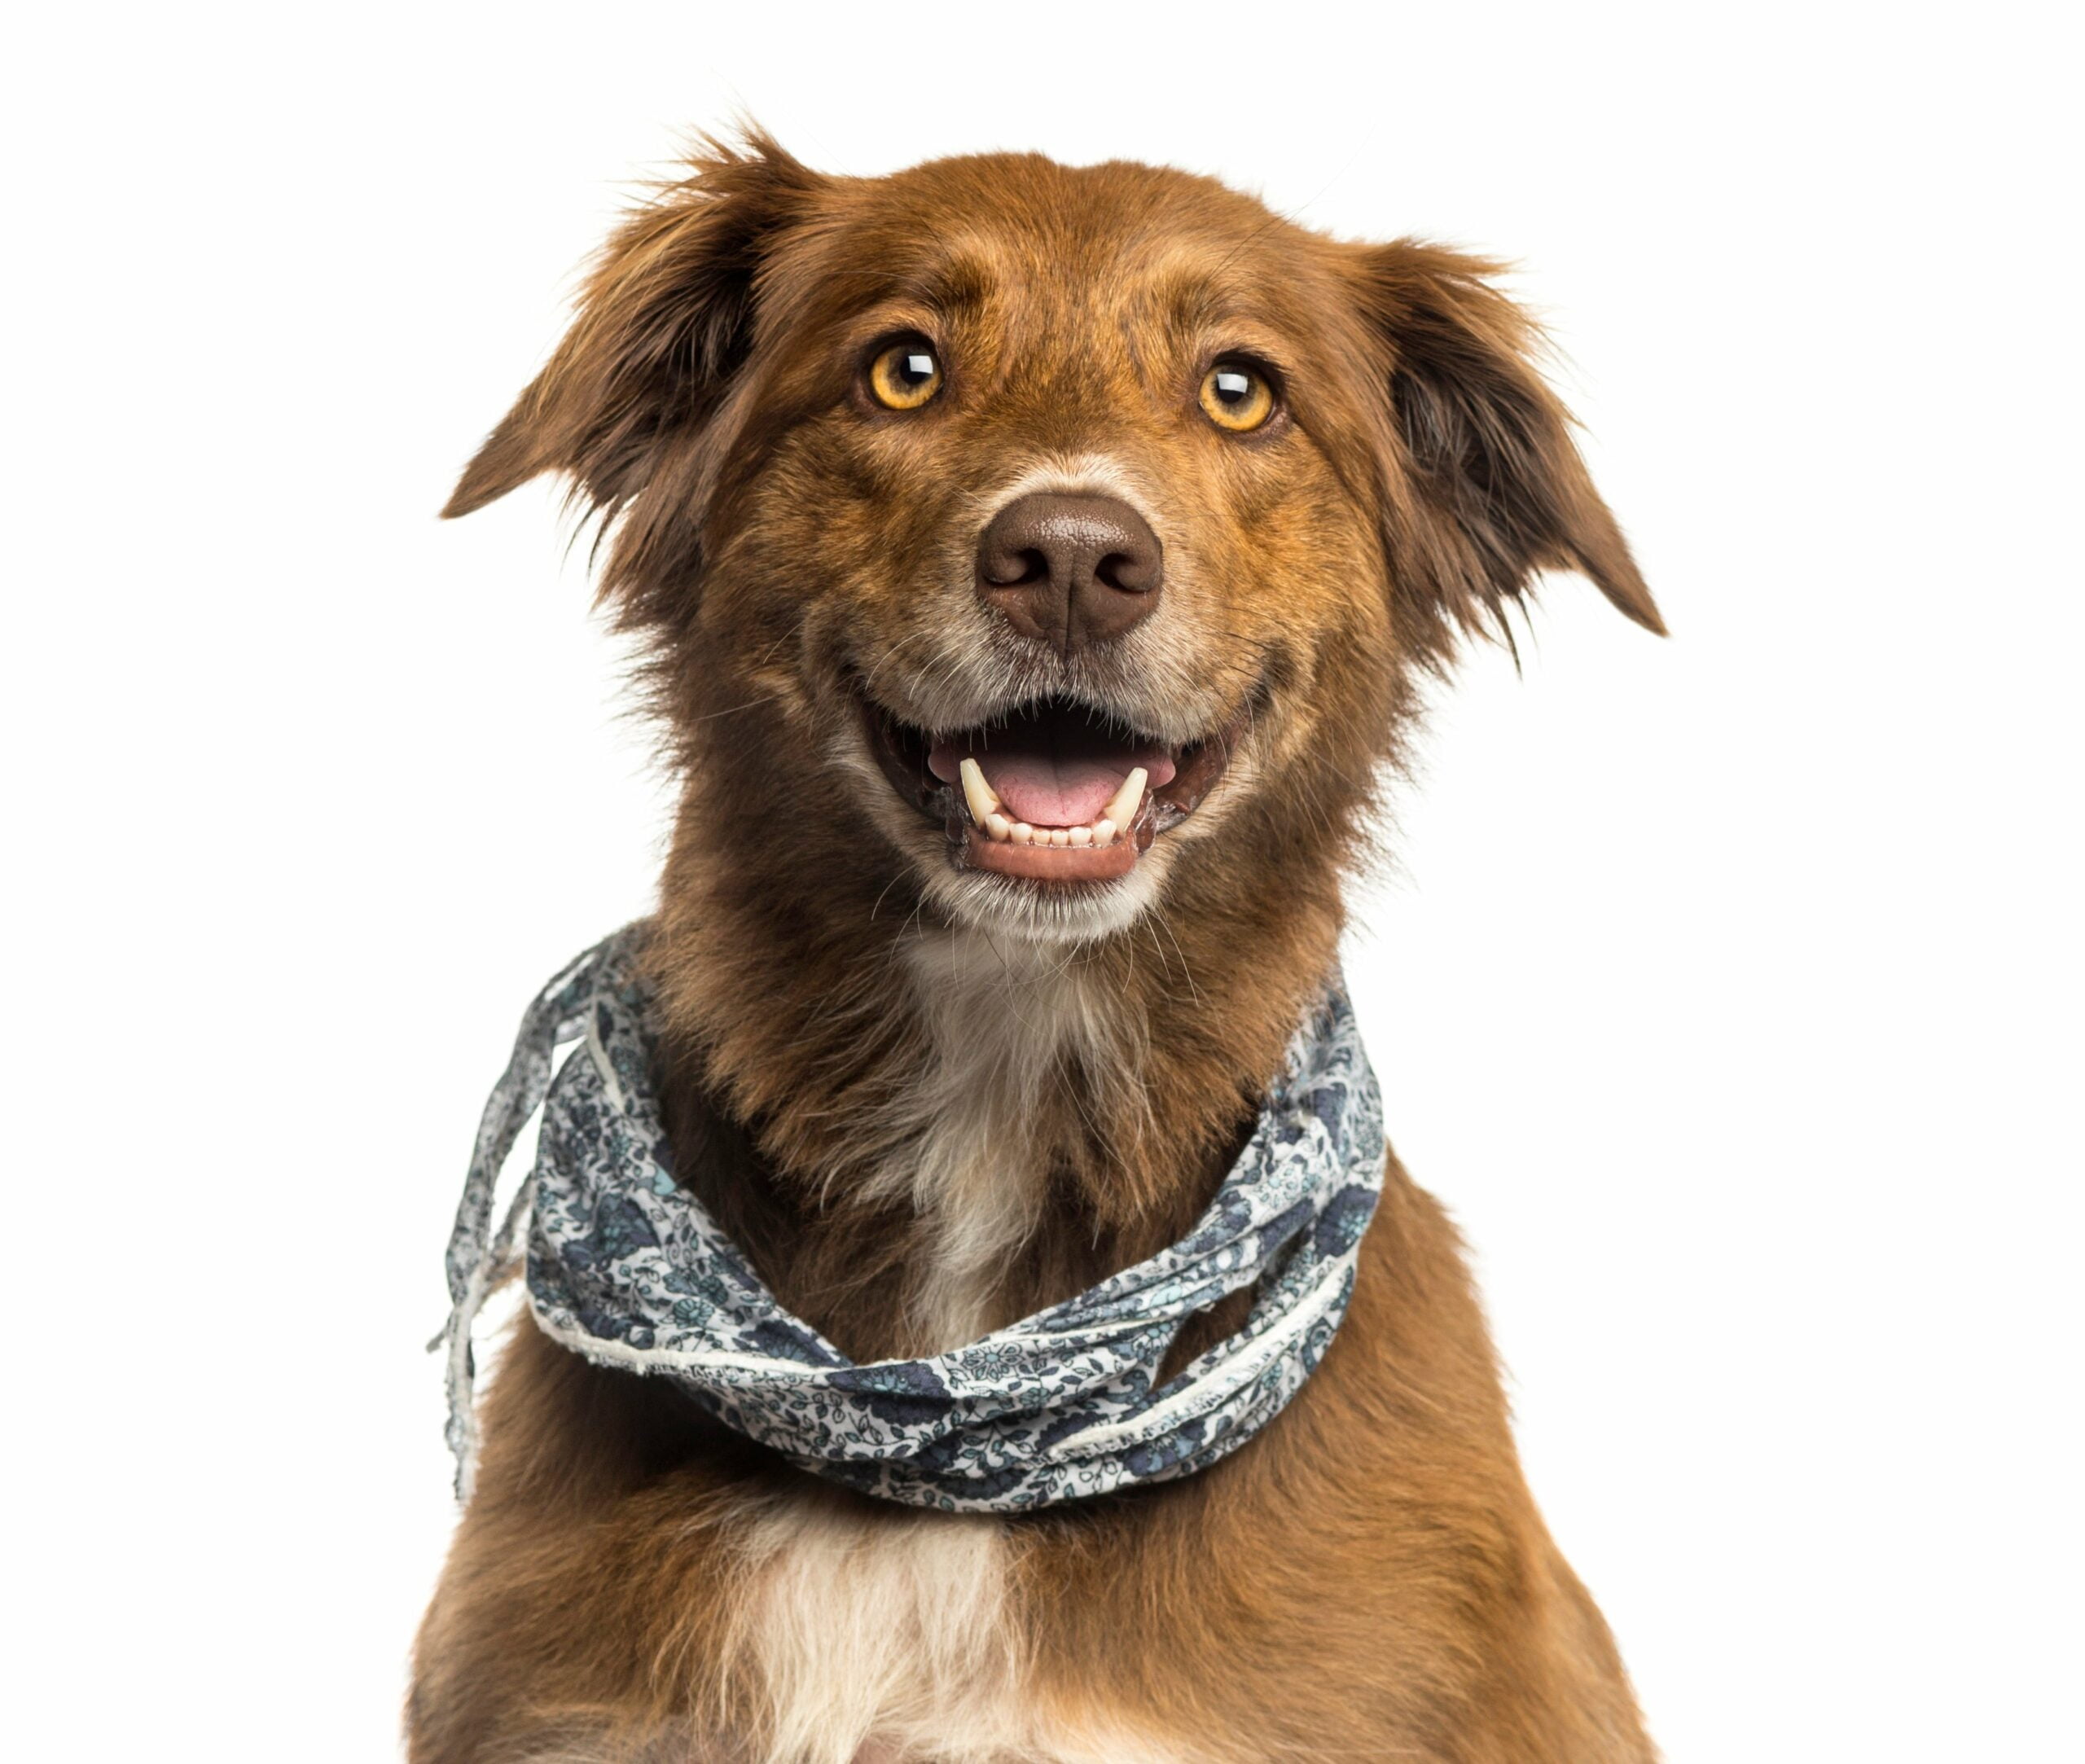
(1043, 539)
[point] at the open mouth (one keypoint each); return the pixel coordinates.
(1054, 790)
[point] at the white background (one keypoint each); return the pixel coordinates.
(1727, 990)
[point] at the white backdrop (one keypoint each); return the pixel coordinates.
(1727, 990)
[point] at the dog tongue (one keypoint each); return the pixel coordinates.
(1045, 792)
(1053, 775)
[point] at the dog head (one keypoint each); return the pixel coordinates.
(1049, 541)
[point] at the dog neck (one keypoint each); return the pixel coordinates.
(921, 1132)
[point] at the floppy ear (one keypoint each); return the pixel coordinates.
(1487, 487)
(665, 319)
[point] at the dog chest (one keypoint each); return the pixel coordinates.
(896, 1639)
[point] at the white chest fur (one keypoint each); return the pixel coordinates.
(881, 1636)
(1005, 1019)
(894, 1639)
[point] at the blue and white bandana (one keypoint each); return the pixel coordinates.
(627, 1268)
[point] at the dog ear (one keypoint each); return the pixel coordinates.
(1487, 486)
(665, 317)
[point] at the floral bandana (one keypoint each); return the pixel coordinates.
(625, 1267)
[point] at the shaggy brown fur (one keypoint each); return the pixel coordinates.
(1368, 1578)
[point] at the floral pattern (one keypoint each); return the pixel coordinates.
(625, 1267)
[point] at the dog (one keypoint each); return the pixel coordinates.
(1086, 477)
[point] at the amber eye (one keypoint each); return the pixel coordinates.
(904, 376)
(1236, 397)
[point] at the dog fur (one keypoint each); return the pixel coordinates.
(929, 1101)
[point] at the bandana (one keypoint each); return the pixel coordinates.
(626, 1267)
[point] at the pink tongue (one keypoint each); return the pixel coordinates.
(1048, 792)
(1065, 787)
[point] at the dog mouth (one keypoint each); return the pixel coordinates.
(1055, 790)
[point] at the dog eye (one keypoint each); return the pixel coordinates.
(904, 376)
(1236, 397)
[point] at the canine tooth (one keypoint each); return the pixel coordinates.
(1022, 833)
(976, 791)
(1104, 831)
(1081, 835)
(999, 826)
(1123, 808)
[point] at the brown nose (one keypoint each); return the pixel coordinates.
(1069, 570)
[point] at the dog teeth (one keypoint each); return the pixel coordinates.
(990, 815)
(981, 796)
(1123, 808)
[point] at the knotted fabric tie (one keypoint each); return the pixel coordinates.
(626, 1267)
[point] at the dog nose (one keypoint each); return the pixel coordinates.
(1069, 570)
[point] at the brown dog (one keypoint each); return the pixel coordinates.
(1119, 464)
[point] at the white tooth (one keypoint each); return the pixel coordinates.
(1104, 831)
(1081, 835)
(1022, 833)
(976, 791)
(999, 826)
(1123, 810)
(1058, 836)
